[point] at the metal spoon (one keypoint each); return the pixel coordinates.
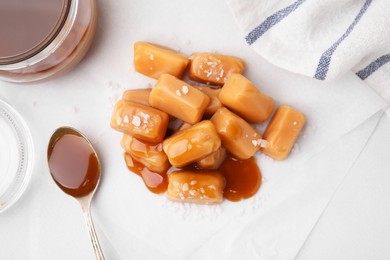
(75, 168)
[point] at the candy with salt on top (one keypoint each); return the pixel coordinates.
(142, 122)
(242, 97)
(154, 60)
(282, 132)
(214, 68)
(201, 187)
(192, 144)
(239, 137)
(150, 155)
(179, 99)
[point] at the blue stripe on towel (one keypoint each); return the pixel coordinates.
(373, 66)
(271, 21)
(323, 65)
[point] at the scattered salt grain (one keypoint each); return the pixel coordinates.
(136, 121)
(185, 187)
(178, 92)
(221, 73)
(184, 89)
(193, 182)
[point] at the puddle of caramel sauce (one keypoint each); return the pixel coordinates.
(242, 177)
(156, 182)
(73, 164)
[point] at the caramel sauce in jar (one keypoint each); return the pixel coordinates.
(156, 182)
(50, 51)
(73, 164)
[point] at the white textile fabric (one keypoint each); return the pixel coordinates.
(322, 39)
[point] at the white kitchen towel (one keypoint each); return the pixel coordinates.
(322, 39)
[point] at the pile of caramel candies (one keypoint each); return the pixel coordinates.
(214, 122)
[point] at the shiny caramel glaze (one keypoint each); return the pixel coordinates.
(73, 164)
(156, 182)
(243, 178)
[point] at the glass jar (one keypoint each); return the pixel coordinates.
(38, 49)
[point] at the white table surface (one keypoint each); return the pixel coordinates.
(322, 209)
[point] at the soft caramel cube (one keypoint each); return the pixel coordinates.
(140, 96)
(214, 160)
(239, 137)
(201, 187)
(243, 98)
(192, 144)
(144, 123)
(154, 60)
(150, 155)
(179, 99)
(282, 132)
(213, 94)
(214, 68)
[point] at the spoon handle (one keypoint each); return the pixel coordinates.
(86, 207)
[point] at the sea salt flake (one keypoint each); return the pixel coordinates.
(254, 142)
(184, 89)
(136, 121)
(295, 123)
(118, 120)
(145, 117)
(178, 93)
(193, 182)
(151, 57)
(185, 187)
(263, 143)
(126, 119)
(221, 73)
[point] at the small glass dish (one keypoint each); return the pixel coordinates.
(16, 150)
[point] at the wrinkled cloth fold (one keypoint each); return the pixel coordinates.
(321, 39)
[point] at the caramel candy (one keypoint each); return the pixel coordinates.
(154, 60)
(213, 94)
(243, 98)
(214, 160)
(201, 187)
(150, 155)
(192, 144)
(140, 96)
(214, 68)
(142, 122)
(282, 132)
(239, 137)
(178, 99)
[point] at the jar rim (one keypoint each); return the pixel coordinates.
(44, 42)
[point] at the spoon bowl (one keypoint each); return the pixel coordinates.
(75, 168)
